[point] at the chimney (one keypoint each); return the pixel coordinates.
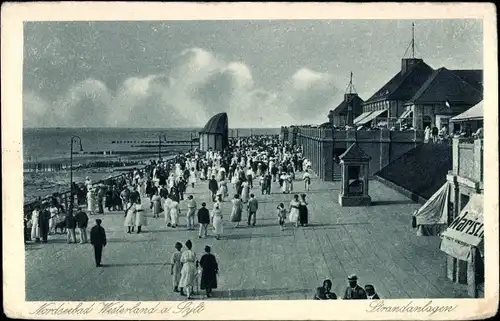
(408, 63)
(350, 100)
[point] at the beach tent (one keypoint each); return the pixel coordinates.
(432, 217)
(474, 113)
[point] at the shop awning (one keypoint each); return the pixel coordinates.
(433, 215)
(371, 117)
(466, 231)
(405, 115)
(476, 112)
(361, 117)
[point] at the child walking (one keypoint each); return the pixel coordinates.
(281, 210)
(176, 266)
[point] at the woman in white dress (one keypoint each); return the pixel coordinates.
(223, 188)
(294, 210)
(142, 187)
(427, 134)
(130, 217)
(217, 221)
(285, 189)
(166, 209)
(54, 213)
(156, 204)
(192, 177)
(174, 213)
(178, 170)
(171, 181)
(35, 226)
(237, 210)
(140, 217)
(209, 172)
(90, 201)
(234, 179)
(202, 173)
(189, 271)
(245, 192)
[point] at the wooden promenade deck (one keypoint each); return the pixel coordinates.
(377, 243)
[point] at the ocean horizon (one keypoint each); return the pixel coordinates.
(41, 143)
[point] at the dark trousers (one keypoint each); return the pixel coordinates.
(45, 233)
(181, 195)
(214, 196)
(250, 180)
(252, 217)
(98, 254)
(101, 208)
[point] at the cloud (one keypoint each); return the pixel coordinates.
(86, 104)
(308, 95)
(196, 87)
(35, 111)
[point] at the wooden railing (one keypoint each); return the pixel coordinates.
(65, 197)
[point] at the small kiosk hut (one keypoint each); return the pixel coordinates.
(354, 164)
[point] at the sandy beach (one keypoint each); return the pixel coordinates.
(44, 184)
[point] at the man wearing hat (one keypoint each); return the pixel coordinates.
(98, 240)
(354, 291)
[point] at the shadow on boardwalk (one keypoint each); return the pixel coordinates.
(253, 293)
(392, 202)
(252, 236)
(136, 264)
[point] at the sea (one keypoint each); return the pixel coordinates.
(41, 144)
(52, 145)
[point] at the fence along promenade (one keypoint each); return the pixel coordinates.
(65, 196)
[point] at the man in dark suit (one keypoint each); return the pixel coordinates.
(370, 292)
(203, 220)
(44, 223)
(82, 221)
(98, 240)
(213, 186)
(354, 291)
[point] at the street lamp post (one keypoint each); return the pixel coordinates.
(159, 145)
(71, 168)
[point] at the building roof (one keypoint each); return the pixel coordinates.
(354, 152)
(472, 76)
(444, 85)
(403, 85)
(218, 124)
(342, 107)
(474, 113)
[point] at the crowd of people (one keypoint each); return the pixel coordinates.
(165, 185)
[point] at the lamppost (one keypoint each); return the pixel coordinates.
(159, 144)
(71, 168)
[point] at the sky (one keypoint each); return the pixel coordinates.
(263, 73)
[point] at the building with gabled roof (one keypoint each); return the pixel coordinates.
(348, 110)
(339, 117)
(419, 96)
(388, 102)
(445, 94)
(422, 96)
